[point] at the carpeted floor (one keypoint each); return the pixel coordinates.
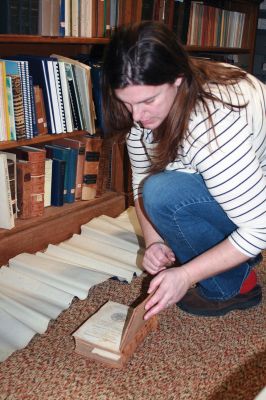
(187, 358)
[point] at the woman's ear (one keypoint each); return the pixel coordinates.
(178, 81)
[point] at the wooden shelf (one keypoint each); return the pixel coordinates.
(227, 50)
(56, 225)
(28, 39)
(9, 144)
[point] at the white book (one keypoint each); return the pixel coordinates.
(6, 211)
(75, 18)
(88, 88)
(48, 182)
(66, 99)
(55, 103)
(13, 157)
(59, 95)
(67, 18)
(82, 83)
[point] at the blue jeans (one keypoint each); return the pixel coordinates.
(191, 221)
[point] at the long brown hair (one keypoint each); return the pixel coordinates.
(150, 54)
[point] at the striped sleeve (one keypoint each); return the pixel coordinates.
(139, 158)
(231, 164)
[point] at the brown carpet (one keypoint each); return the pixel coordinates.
(187, 358)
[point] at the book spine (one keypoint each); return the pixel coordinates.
(79, 174)
(48, 182)
(10, 104)
(91, 167)
(72, 171)
(60, 96)
(40, 111)
(37, 168)
(12, 184)
(24, 75)
(58, 178)
(24, 189)
(62, 20)
(6, 215)
(18, 108)
(33, 108)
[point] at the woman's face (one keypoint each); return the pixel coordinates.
(149, 105)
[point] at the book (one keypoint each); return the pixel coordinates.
(9, 16)
(69, 155)
(5, 124)
(11, 165)
(36, 157)
(33, 108)
(93, 150)
(38, 69)
(55, 18)
(11, 161)
(80, 146)
(40, 111)
(113, 333)
(81, 76)
(77, 123)
(13, 72)
(23, 69)
(96, 76)
(6, 214)
(58, 178)
(10, 104)
(66, 97)
(48, 182)
(44, 19)
(23, 189)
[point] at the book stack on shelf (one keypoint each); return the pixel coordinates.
(41, 95)
(211, 26)
(58, 173)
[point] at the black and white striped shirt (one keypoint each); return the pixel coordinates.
(232, 161)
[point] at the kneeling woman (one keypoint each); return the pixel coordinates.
(196, 138)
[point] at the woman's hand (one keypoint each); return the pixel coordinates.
(169, 287)
(157, 257)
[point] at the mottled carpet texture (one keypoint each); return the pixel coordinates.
(187, 358)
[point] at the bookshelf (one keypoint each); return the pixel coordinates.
(59, 223)
(245, 51)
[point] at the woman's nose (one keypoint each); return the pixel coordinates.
(136, 112)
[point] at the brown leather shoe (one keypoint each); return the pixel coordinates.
(194, 303)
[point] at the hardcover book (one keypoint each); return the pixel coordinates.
(69, 155)
(91, 165)
(36, 157)
(24, 189)
(58, 178)
(48, 182)
(40, 111)
(6, 214)
(80, 146)
(11, 162)
(113, 333)
(13, 72)
(11, 166)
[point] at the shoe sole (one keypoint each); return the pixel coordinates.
(219, 313)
